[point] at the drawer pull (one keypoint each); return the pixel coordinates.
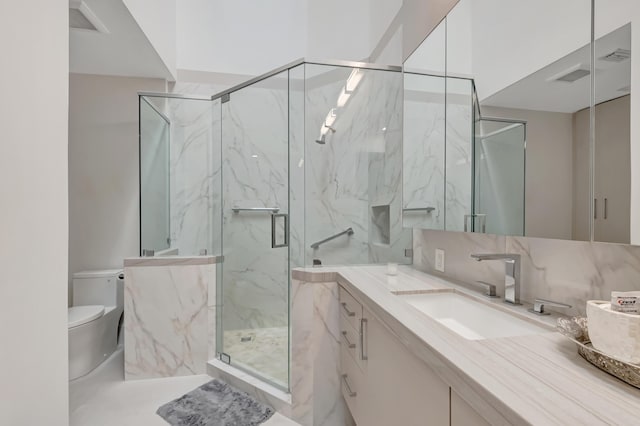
(351, 393)
(346, 339)
(363, 339)
(349, 313)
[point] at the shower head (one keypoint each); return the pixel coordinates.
(323, 135)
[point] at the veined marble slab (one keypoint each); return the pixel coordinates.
(166, 320)
(315, 355)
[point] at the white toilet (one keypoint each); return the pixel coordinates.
(98, 304)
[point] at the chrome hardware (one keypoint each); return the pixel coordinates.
(203, 252)
(274, 219)
(256, 209)
(595, 208)
(511, 274)
(348, 231)
(491, 289)
(483, 221)
(351, 393)
(605, 208)
(346, 339)
(349, 313)
(408, 252)
(148, 252)
(363, 339)
(419, 209)
(538, 306)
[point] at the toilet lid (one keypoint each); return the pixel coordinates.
(79, 315)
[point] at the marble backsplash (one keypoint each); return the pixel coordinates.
(565, 271)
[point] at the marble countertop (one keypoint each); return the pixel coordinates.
(537, 379)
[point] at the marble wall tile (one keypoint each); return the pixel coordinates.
(458, 247)
(165, 317)
(423, 150)
(357, 168)
(315, 363)
(575, 271)
(570, 272)
(255, 174)
(195, 175)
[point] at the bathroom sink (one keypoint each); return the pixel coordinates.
(469, 318)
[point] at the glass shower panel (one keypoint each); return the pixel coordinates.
(255, 277)
(195, 176)
(499, 177)
(423, 151)
(353, 166)
(154, 178)
(459, 153)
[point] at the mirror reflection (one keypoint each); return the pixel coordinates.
(526, 160)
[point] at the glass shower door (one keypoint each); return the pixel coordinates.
(500, 177)
(255, 272)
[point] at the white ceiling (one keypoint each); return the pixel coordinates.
(536, 92)
(123, 50)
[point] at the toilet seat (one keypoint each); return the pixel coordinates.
(79, 315)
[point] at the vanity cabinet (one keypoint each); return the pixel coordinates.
(384, 383)
(462, 414)
(390, 385)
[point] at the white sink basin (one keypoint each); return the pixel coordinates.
(471, 319)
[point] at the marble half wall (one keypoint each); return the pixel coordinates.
(315, 355)
(169, 318)
(570, 272)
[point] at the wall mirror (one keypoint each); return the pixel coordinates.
(616, 160)
(520, 163)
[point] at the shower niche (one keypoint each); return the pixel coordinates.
(380, 224)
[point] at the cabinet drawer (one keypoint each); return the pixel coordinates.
(351, 342)
(350, 308)
(351, 384)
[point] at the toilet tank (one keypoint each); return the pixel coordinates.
(104, 287)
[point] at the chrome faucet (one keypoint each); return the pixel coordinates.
(511, 274)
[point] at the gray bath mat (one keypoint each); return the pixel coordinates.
(215, 404)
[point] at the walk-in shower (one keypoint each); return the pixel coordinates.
(247, 177)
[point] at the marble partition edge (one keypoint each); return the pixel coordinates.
(172, 261)
(314, 275)
(315, 363)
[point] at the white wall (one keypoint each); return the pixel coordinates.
(338, 29)
(222, 37)
(33, 217)
(520, 37)
(103, 169)
(157, 19)
(241, 37)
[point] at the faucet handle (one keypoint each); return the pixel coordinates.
(538, 306)
(491, 289)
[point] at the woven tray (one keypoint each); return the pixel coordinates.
(576, 330)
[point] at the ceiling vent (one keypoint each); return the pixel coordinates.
(83, 18)
(571, 75)
(618, 55)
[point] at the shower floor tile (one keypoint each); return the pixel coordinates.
(263, 351)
